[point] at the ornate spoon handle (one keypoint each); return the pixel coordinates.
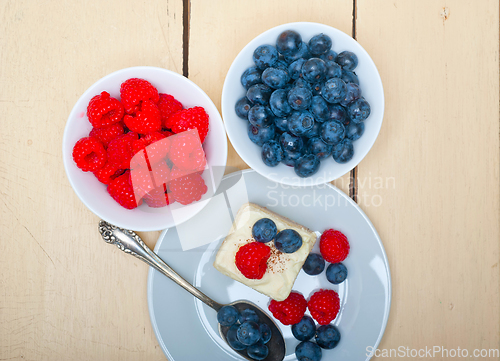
(129, 242)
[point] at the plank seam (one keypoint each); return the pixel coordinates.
(186, 17)
(353, 179)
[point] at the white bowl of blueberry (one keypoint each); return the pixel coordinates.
(303, 103)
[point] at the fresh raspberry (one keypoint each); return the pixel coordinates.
(155, 153)
(103, 110)
(108, 133)
(186, 152)
(168, 105)
(141, 178)
(158, 197)
(145, 120)
(192, 118)
(324, 305)
(121, 191)
(188, 189)
(161, 173)
(251, 260)
(89, 154)
(333, 246)
(107, 173)
(134, 91)
(291, 310)
(176, 172)
(166, 133)
(120, 150)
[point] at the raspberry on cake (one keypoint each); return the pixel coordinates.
(282, 268)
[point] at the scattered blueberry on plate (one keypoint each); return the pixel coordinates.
(336, 273)
(305, 329)
(327, 336)
(303, 89)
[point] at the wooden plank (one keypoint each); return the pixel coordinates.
(64, 293)
(213, 44)
(431, 182)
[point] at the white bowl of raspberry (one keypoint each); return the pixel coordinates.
(144, 148)
(303, 103)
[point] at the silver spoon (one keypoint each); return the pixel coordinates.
(129, 242)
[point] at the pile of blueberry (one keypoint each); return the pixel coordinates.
(286, 241)
(326, 337)
(303, 102)
(245, 331)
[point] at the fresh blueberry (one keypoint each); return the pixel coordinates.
(358, 110)
(314, 265)
(334, 90)
(260, 116)
(249, 315)
(314, 70)
(242, 107)
(338, 113)
(259, 351)
(300, 122)
(291, 143)
(316, 88)
(343, 151)
(347, 60)
(299, 98)
(308, 351)
(260, 135)
(319, 109)
(349, 77)
(295, 68)
(288, 42)
(307, 165)
(281, 124)
(305, 329)
(302, 53)
(354, 131)
(314, 131)
(336, 273)
(232, 338)
(289, 157)
(248, 333)
(328, 56)
(301, 83)
(265, 332)
(332, 132)
(327, 336)
(251, 76)
(281, 64)
(264, 230)
(265, 56)
(279, 103)
(333, 70)
(259, 94)
(353, 93)
(319, 148)
(320, 44)
(227, 315)
(275, 78)
(272, 153)
(288, 241)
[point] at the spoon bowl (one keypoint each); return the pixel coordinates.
(129, 242)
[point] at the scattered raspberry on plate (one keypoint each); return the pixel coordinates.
(334, 246)
(291, 310)
(324, 305)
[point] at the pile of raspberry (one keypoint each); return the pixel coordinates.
(324, 304)
(145, 146)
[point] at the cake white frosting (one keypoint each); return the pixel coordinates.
(282, 268)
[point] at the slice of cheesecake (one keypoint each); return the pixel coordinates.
(282, 268)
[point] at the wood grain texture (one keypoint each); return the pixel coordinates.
(64, 293)
(431, 182)
(220, 29)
